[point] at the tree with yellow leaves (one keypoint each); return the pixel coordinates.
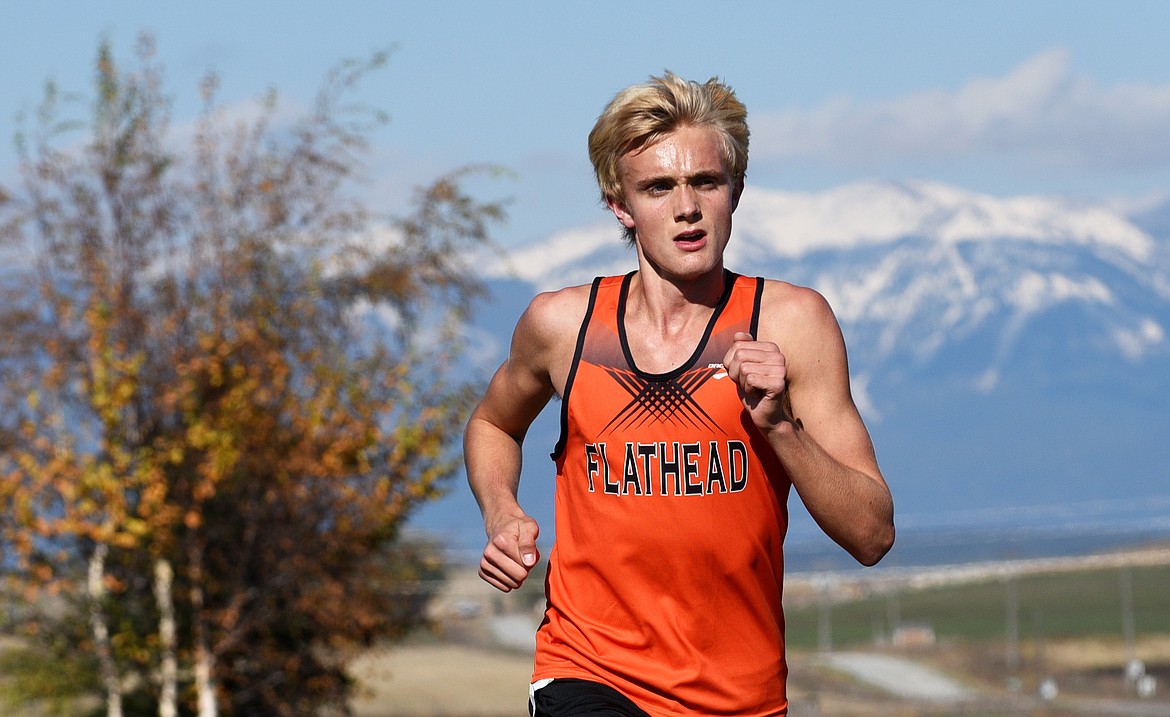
(227, 383)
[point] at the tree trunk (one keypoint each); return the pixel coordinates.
(168, 701)
(204, 686)
(101, 633)
(204, 660)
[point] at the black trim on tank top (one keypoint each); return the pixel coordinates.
(580, 348)
(759, 301)
(728, 284)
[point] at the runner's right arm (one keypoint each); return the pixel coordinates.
(535, 370)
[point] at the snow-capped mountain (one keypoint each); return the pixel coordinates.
(1011, 355)
(915, 270)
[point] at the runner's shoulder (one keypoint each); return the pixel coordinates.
(554, 317)
(784, 300)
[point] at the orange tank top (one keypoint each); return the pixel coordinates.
(665, 578)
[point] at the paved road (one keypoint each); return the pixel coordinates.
(910, 680)
(900, 676)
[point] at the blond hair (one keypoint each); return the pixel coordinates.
(643, 114)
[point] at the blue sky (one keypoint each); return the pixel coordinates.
(1006, 98)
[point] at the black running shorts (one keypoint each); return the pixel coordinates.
(581, 698)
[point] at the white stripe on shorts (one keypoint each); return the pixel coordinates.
(532, 694)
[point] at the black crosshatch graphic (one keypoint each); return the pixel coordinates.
(669, 402)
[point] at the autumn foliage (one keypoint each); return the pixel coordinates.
(227, 383)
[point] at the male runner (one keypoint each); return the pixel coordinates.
(692, 399)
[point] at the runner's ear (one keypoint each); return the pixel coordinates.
(618, 207)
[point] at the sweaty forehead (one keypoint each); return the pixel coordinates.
(687, 150)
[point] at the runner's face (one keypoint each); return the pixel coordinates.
(678, 196)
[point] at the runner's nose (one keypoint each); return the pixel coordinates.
(687, 204)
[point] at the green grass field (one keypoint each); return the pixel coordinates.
(1066, 605)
